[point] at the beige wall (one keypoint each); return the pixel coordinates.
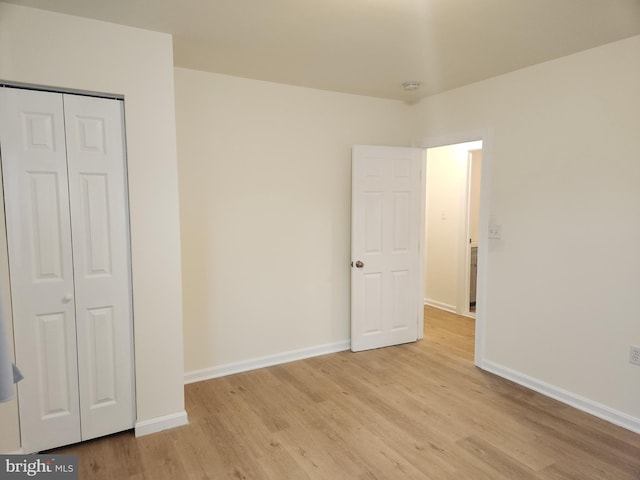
(264, 176)
(562, 296)
(474, 195)
(60, 51)
(265, 182)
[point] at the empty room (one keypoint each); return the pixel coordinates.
(217, 239)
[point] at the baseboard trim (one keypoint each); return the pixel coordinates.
(16, 452)
(440, 305)
(267, 361)
(581, 403)
(158, 424)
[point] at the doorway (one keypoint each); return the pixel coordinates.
(452, 223)
(369, 321)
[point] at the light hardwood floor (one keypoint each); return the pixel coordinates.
(415, 411)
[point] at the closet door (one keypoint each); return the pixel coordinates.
(63, 170)
(95, 156)
(34, 171)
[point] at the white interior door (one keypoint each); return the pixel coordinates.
(34, 171)
(385, 248)
(67, 229)
(99, 222)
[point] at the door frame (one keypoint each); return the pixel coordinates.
(465, 296)
(464, 272)
(486, 136)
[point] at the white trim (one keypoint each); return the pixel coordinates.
(440, 305)
(463, 251)
(86, 93)
(267, 361)
(158, 424)
(483, 246)
(454, 139)
(422, 238)
(16, 452)
(581, 403)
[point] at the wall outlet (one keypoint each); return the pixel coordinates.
(634, 355)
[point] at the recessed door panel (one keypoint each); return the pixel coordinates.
(402, 167)
(401, 219)
(90, 134)
(401, 308)
(46, 228)
(373, 223)
(38, 131)
(372, 304)
(97, 239)
(101, 345)
(52, 351)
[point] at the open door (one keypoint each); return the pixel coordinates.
(386, 295)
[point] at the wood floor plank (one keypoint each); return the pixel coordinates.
(498, 460)
(314, 450)
(419, 411)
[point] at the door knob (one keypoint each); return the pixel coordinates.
(359, 264)
(67, 298)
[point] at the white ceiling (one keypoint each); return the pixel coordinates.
(368, 47)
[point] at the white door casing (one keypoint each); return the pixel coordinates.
(385, 246)
(67, 230)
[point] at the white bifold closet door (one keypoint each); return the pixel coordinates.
(63, 169)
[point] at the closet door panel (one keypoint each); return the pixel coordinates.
(97, 190)
(34, 172)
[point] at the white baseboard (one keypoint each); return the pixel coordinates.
(268, 361)
(158, 424)
(581, 403)
(440, 305)
(17, 452)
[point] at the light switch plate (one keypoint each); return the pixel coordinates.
(495, 232)
(634, 354)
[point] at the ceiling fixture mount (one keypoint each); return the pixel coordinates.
(410, 86)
